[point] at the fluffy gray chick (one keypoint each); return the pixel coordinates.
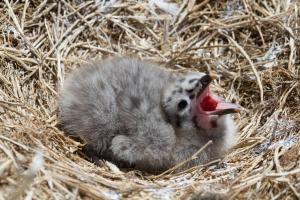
(135, 113)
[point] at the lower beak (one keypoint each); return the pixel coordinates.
(225, 111)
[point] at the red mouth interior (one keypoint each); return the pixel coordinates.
(208, 103)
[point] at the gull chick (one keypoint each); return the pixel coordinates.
(135, 113)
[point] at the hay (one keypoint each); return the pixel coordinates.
(253, 45)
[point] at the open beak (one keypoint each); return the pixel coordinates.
(210, 104)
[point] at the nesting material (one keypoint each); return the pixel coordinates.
(252, 45)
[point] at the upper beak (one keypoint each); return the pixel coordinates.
(207, 79)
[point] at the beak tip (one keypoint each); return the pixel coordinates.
(237, 110)
(213, 76)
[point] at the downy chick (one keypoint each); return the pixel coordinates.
(136, 113)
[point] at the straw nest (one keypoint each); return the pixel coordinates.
(252, 45)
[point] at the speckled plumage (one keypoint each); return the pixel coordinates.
(127, 111)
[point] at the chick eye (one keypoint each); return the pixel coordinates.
(182, 104)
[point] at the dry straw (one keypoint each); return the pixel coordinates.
(252, 45)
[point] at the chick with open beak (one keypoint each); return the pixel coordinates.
(134, 113)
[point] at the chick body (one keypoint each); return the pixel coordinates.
(118, 107)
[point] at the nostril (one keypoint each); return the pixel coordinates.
(182, 104)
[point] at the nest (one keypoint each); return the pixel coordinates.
(252, 45)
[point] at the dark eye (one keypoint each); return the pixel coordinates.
(182, 104)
